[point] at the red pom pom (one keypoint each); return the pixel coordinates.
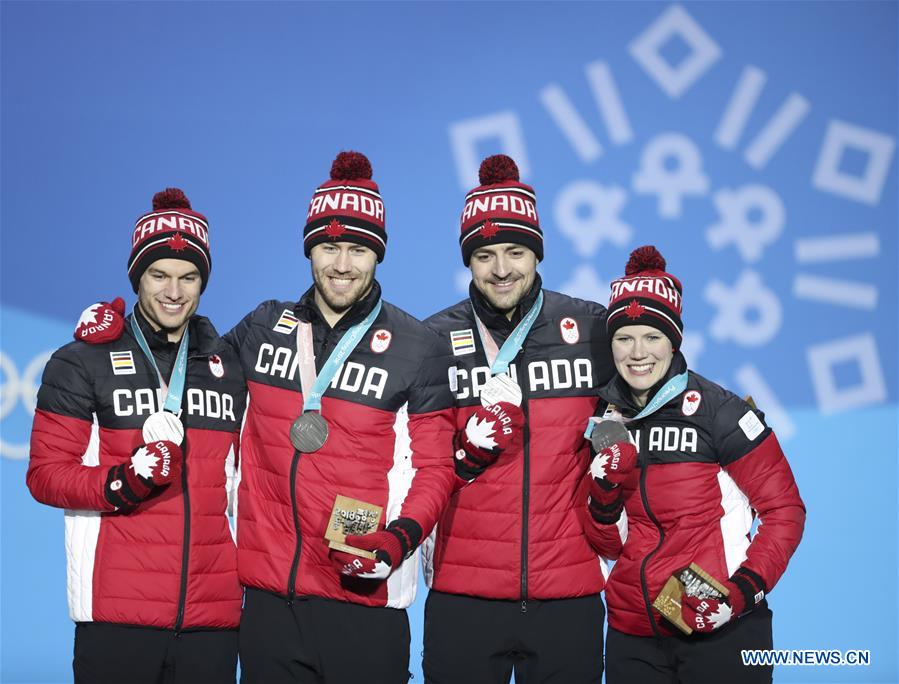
(646, 258)
(498, 169)
(170, 198)
(350, 166)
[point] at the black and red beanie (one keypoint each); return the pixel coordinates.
(501, 209)
(171, 231)
(647, 295)
(347, 208)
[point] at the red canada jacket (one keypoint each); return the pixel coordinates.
(171, 562)
(389, 412)
(707, 465)
(517, 531)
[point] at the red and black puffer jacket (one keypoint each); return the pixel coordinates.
(171, 562)
(516, 532)
(389, 413)
(707, 463)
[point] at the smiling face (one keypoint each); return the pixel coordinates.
(642, 356)
(168, 294)
(343, 273)
(503, 273)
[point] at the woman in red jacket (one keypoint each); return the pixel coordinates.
(681, 486)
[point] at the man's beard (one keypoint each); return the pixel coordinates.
(335, 306)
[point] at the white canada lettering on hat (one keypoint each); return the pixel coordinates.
(171, 221)
(656, 286)
(340, 201)
(508, 203)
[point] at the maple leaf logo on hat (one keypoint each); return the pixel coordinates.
(177, 243)
(634, 309)
(489, 229)
(335, 229)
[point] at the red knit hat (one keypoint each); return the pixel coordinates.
(347, 208)
(171, 231)
(647, 295)
(500, 210)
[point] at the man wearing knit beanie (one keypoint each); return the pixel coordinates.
(349, 400)
(514, 582)
(151, 560)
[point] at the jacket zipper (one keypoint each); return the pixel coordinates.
(525, 495)
(294, 506)
(643, 584)
(185, 552)
(185, 496)
(294, 566)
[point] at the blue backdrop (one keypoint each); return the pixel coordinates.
(754, 143)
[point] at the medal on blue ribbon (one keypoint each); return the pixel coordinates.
(501, 386)
(309, 431)
(675, 386)
(165, 425)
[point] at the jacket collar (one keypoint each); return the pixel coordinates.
(618, 392)
(307, 310)
(496, 320)
(204, 339)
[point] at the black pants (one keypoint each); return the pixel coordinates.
(321, 641)
(480, 641)
(711, 658)
(107, 653)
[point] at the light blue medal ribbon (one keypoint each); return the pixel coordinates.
(175, 385)
(513, 343)
(312, 400)
(669, 390)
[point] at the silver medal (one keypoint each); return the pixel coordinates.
(606, 433)
(163, 426)
(500, 388)
(309, 432)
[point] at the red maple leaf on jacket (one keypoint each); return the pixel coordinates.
(382, 335)
(335, 229)
(568, 325)
(177, 242)
(489, 229)
(692, 398)
(634, 309)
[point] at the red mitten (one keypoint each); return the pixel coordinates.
(101, 322)
(152, 465)
(745, 588)
(391, 547)
(613, 466)
(489, 432)
(706, 615)
(610, 468)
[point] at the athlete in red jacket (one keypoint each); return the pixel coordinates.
(514, 581)
(144, 472)
(683, 489)
(314, 614)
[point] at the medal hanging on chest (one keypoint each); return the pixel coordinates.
(309, 432)
(165, 425)
(501, 386)
(674, 387)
